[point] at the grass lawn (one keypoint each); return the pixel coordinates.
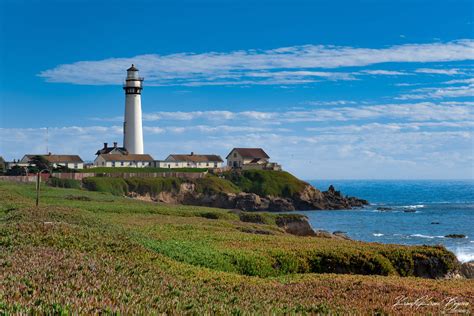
(92, 252)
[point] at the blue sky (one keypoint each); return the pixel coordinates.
(330, 89)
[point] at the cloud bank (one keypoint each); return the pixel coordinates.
(286, 65)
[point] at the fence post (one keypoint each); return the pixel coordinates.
(38, 180)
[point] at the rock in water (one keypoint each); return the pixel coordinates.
(455, 236)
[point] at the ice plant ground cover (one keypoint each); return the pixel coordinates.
(91, 252)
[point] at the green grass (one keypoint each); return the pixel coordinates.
(266, 182)
(64, 183)
(210, 184)
(116, 186)
(261, 182)
(86, 252)
(138, 170)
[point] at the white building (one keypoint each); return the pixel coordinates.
(250, 158)
(127, 160)
(132, 125)
(190, 161)
(68, 161)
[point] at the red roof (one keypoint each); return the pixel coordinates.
(251, 153)
(59, 158)
(194, 158)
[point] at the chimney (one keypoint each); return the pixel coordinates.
(115, 144)
(192, 153)
(49, 154)
(105, 145)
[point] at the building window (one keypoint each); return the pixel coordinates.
(235, 155)
(215, 165)
(103, 163)
(113, 163)
(207, 164)
(75, 166)
(121, 163)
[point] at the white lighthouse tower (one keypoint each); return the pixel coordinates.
(132, 126)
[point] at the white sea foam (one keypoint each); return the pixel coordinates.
(414, 206)
(425, 236)
(377, 235)
(464, 254)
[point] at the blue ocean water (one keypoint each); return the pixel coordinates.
(449, 203)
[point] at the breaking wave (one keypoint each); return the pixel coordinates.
(425, 236)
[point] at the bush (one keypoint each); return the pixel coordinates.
(116, 186)
(64, 183)
(153, 186)
(257, 218)
(213, 185)
(266, 182)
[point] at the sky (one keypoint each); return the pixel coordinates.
(330, 89)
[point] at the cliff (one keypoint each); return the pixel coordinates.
(253, 190)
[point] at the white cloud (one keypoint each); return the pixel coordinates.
(457, 81)
(448, 72)
(385, 72)
(287, 65)
(330, 103)
(419, 111)
(439, 93)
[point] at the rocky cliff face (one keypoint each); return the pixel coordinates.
(308, 199)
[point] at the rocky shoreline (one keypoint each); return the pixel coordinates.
(308, 199)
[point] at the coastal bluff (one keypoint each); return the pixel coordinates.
(249, 190)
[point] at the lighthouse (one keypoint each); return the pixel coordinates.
(132, 125)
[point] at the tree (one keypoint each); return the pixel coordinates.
(41, 162)
(16, 171)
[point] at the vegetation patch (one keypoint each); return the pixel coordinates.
(74, 255)
(257, 218)
(266, 182)
(115, 186)
(64, 183)
(213, 185)
(153, 186)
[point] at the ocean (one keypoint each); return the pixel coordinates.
(422, 212)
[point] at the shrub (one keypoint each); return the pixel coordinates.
(350, 262)
(153, 186)
(116, 186)
(213, 184)
(257, 218)
(64, 183)
(266, 182)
